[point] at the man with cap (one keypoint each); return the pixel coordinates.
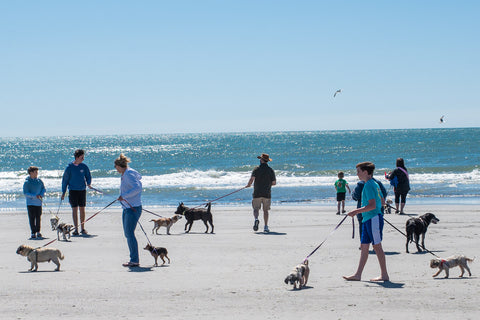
(263, 178)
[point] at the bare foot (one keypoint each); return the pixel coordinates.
(380, 279)
(352, 278)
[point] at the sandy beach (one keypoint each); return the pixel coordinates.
(239, 273)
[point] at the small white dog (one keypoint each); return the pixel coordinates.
(451, 262)
(65, 230)
(299, 275)
(40, 255)
(54, 222)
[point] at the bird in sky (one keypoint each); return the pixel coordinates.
(338, 91)
(441, 119)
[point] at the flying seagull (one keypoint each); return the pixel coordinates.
(338, 91)
(441, 119)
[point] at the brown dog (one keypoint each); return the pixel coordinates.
(158, 252)
(165, 222)
(450, 262)
(40, 255)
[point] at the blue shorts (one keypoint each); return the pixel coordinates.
(372, 230)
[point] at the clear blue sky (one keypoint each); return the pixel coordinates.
(113, 67)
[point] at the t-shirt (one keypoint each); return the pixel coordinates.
(341, 185)
(371, 190)
(264, 176)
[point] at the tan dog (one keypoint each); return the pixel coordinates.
(299, 275)
(158, 252)
(165, 222)
(450, 262)
(40, 255)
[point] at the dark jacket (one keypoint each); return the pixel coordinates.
(403, 185)
(357, 192)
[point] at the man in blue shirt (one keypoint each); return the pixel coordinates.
(372, 228)
(77, 177)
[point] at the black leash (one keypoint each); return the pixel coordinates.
(206, 203)
(407, 236)
(318, 247)
(141, 227)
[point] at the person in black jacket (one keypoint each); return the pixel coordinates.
(401, 184)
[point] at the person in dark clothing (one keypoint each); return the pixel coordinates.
(401, 184)
(263, 178)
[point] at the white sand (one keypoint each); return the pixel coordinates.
(237, 273)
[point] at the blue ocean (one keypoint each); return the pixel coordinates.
(194, 168)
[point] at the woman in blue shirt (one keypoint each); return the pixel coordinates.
(130, 198)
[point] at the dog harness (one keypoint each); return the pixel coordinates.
(442, 262)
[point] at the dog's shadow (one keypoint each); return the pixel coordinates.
(39, 271)
(454, 278)
(302, 288)
(192, 232)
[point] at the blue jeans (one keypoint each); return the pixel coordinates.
(130, 218)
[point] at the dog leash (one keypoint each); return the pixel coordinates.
(59, 205)
(155, 214)
(52, 241)
(318, 247)
(205, 203)
(141, 227)
(407, 238)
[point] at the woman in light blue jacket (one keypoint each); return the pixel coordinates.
(34, 190)
(130, 198)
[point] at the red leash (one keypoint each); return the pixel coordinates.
(52, 241)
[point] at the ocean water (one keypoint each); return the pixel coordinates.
(194, 168)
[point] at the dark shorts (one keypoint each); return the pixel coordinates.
(77, 198)
(341, 196)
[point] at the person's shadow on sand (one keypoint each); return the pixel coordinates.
(140, 269)
(388, 284)
(271, 233)
(303, 288)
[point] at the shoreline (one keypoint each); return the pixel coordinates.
(426, 201)
(240, 273)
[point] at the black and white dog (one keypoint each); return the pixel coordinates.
(418, 226)
(195, 214)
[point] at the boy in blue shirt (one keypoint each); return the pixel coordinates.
(77, 177)
(372, 222)
(34, 190)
